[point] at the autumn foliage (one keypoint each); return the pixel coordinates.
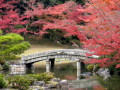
(10, 17)
(103, 31)
(63, 17)
(96, 24)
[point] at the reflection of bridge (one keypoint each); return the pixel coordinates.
(78, 55)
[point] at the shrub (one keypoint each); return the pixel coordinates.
(30, 78)
(2, 62)
(1, 32)
(19, 82)
(5, 66)
(23, 82)
(1, 67)
(90, 67)
(42, 77)
(2, 81)
(114, 70)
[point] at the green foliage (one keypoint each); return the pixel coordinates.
(11, 45)
(19, 26)
(90, 67)
(82, 77)
(30, 78)
(23, 82)
(1, 32)
(54, 2)
(54, 35)
(41, 77)
(2, 81)
(114, 70)
(0, 67)
(19, 82)
(113, 83)
(77, 42)
(2, 62)
(6, 66)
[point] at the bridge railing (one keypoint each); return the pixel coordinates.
(53, 52)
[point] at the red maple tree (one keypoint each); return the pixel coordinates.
(103, 31)
(63, 16)
(10, 17)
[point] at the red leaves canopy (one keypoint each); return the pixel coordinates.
(103, 30)
(9, 18)
(64, 16)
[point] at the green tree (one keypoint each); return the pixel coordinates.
(54, 2)
(11, 45)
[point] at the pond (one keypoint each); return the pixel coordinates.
(67, 70)
(63, 70)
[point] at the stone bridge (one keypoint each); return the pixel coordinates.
(77, 55)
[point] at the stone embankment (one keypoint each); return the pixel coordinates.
(57, 84)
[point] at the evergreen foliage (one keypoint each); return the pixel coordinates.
(11, 45)
(23, 82)
(2, 81)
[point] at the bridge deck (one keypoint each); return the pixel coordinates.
(60, 53)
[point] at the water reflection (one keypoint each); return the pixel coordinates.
(68, 71)
(61, 69)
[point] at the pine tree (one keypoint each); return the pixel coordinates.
(11, 45)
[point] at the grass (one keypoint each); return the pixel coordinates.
(113, 83)
(44, 46)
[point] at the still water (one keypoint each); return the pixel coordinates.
(63, 70)
(67, 70)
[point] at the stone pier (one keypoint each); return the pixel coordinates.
(50, 65)
(78, 69)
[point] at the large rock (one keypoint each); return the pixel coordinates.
(86, 74)
(104, 72)
(53, 84)
(63, 82)
(55, 79)
(36, 88)
(39, 83)
(99, 72)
